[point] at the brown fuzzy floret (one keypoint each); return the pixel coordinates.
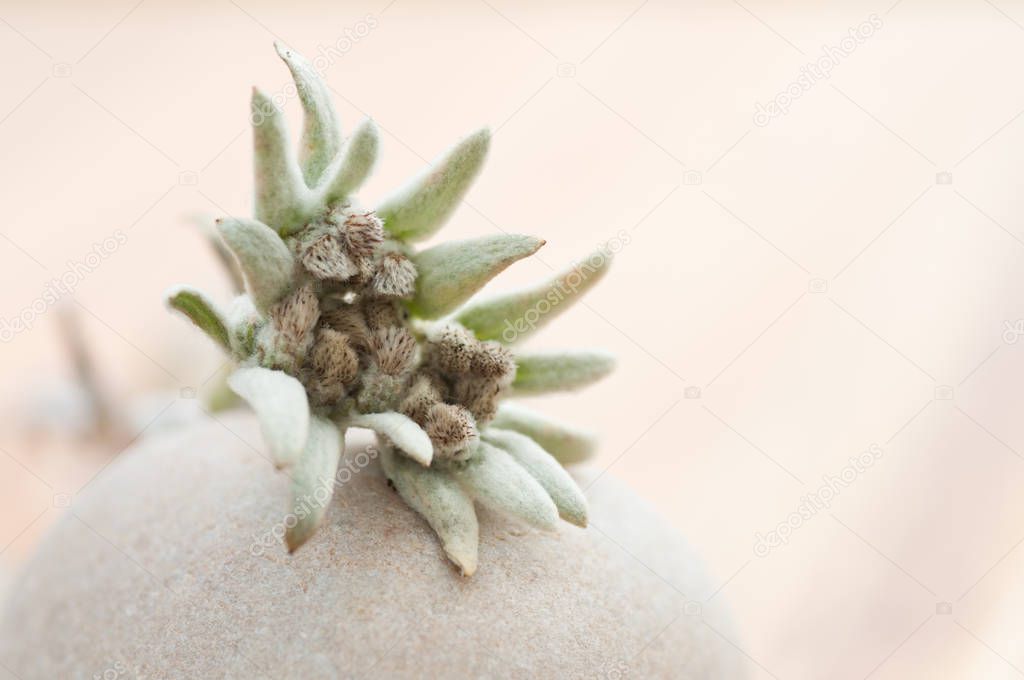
(394, 350)
(295, 318)
(452, 431)
(423, 393)
(395, 276)
(348, 320)
(362, 232)
(451, 349)
(479, 395)
(324, 257)
(490, 359)
(381, 314)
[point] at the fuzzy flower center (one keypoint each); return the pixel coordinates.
(344, 333)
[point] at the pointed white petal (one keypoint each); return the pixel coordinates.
(451, 272)
(266, 262)
(282, 408)
(496, 481)
(439, 499)
(553, 371)
(312, 478)
(513, 317)
(566, 443)
(568, 498)
(402, 431)
(420, 208)
(201, 311)
(321, 134)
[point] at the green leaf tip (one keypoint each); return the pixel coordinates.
(321, 135)
(280, 190)
(403, 432)
(312, 483)
(354, 164)
(496, 481)
(450, 273)
(567, 496)
(266, 263)
(419, 209)
(566, 443)
(200, 311)
(552, 371)
(441, 501)
(513, 317)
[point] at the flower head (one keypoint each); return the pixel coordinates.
(339, 328)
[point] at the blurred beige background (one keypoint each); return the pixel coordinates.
(822, 258)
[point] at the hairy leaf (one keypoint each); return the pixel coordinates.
(201, 311)
(439, 499)
(313, 481)
(266, 262)
(281, 193)
(496, 481)
(242, 318)
(403, 432)
(227, 261)
(420, 208)
(513, 317)
(551, 371)
(354, 164)
(282, 407)
(568, 498)
(566, 443)
(451, 272)
(321, 134)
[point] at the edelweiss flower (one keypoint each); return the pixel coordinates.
(340, 327)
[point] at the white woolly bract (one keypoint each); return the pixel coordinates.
(282, 407)
(403, 432)
(313, 481)
(496, 481)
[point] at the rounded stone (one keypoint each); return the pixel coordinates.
(170, 565)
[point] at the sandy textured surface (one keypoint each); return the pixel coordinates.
(166, 567)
